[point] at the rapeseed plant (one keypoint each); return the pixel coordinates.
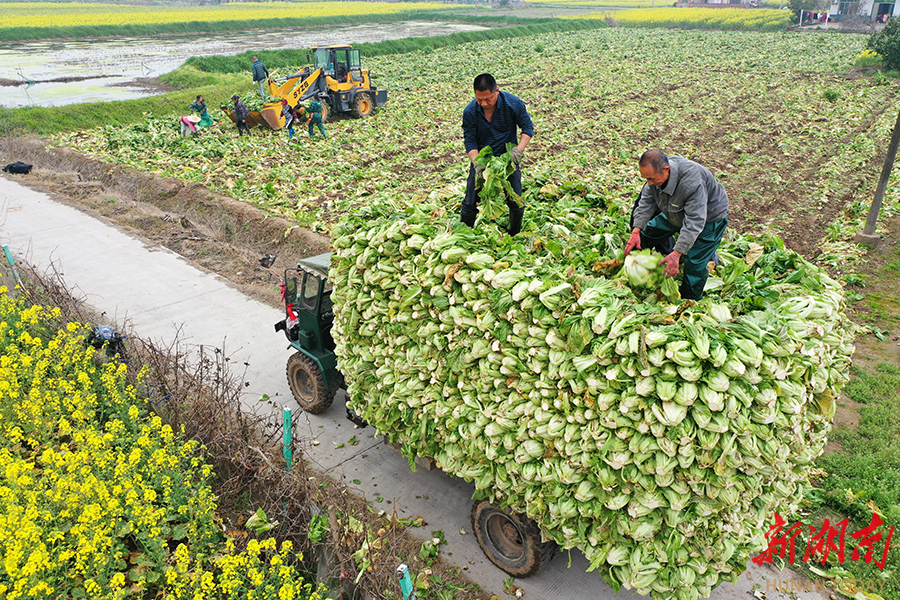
(95, 491)
(66, 14)
(700, 18)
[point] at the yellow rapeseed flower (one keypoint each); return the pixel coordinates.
(62, 14)
(96, 473)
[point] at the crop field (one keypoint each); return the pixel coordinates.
(57, 14)
(700, 18)
(600, 3)
(796, 142)
(89, 477)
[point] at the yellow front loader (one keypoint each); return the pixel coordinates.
(336, 78)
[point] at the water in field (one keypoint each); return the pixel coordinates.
(66, 72)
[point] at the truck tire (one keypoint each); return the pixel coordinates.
(308, 384)
(362, 105)
(510, 541)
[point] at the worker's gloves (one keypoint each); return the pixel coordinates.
(633, 242)
(479, 172)
(516, 155)
(671, 262)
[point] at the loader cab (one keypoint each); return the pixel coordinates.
(342, 63)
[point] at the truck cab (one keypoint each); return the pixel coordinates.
(312, 370)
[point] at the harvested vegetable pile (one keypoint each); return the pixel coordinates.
(658, 438)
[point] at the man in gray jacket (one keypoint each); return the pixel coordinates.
(692, 204)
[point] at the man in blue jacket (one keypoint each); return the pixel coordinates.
(692, 204)
(493, 119)
(260, 76)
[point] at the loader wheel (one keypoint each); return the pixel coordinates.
(326, 112)
(362, 105)
(510, 541)
(307, 384)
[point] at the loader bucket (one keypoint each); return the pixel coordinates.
(270, 116)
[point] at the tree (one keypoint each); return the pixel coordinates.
(887, 44)
(806, 5)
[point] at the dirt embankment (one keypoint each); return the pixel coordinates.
(245, 245)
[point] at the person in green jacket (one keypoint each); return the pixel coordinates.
(199, 106)
(315, 118)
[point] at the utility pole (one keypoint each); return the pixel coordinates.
(867, 236)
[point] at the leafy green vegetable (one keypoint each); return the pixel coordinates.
(645, 269)
(656, 437)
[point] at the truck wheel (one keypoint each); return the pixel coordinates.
(510, 541)
(307, 384)
(362, 105)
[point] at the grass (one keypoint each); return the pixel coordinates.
(870, 463)
(601, 3)
(881, 302)
(866, 473)
(883, 307)
(292, 57)
(76, 117)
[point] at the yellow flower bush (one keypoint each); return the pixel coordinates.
(95, 493)
(604, 3)
(701, 18)
(66, 14)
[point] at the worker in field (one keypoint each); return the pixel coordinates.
(290, 116)
(301, 113)
(260, 76)
(692, 204)
(240, 114)
(494, 119)
(199, 107)
(315, 118)
(189, 125)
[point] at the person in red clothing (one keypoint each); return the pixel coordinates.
(189, 125)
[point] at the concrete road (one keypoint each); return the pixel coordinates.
(160, 295)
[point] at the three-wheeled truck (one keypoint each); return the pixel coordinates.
(510, 541)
